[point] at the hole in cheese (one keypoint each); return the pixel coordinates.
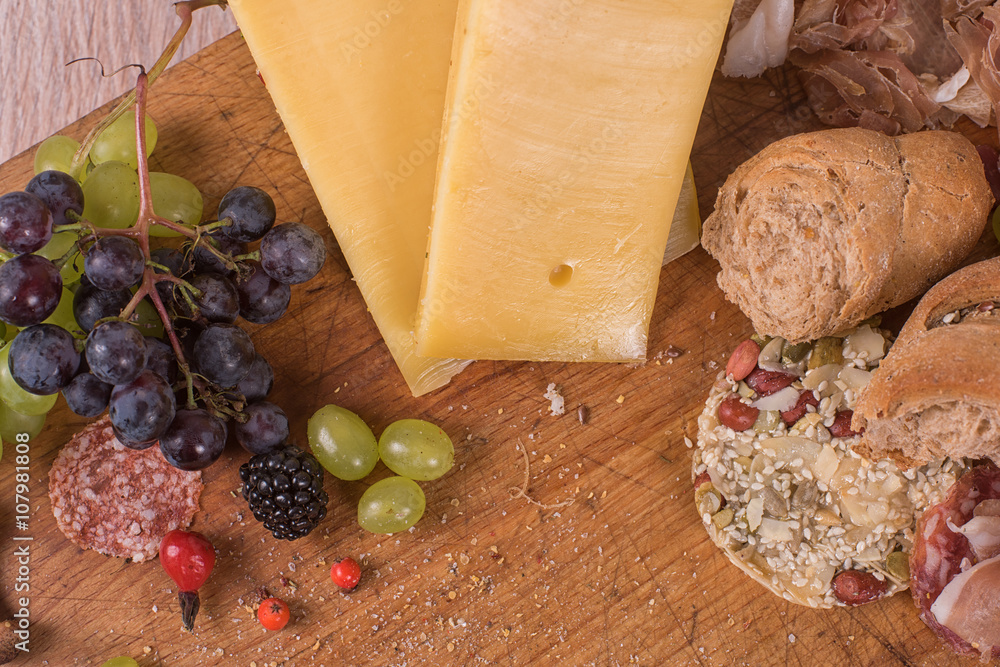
(561, 275)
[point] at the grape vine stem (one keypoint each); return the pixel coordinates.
(185, 11)
(141, 231)
(196, 385)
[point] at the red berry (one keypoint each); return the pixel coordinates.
(273, 614)
(346, 573)
(188, 558)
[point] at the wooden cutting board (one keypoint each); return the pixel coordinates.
(623, 575)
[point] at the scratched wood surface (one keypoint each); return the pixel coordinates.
(41, 93)
(623, 575)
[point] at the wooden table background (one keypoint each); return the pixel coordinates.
(39, 94)
(624, 575)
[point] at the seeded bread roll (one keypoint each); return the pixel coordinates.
(937, 392)
(820, 231)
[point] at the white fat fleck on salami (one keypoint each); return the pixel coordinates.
(117, 501)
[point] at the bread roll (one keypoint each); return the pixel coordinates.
(820, 231)
(937, 392)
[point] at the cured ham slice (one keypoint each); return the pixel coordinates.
(969, 605)
(944, 566)
(761, 41)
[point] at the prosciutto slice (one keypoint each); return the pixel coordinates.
(888, 65)
(969, 606)
(760, 41)
(944, 559)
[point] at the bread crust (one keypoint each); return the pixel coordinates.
(937, 392)
(820, 231)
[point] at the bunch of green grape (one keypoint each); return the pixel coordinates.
(110, 185)
(412, 448)
(110, 181)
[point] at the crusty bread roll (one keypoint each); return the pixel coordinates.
(937, 392)
(820, 231)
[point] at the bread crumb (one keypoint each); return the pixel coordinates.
(558, 403)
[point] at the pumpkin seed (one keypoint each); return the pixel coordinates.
(898, 565)
(827, 350)
(723, 518)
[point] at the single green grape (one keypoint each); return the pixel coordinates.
(176, 199)
(147, 319)
(55, 153)
(63, 315)
(59, 245)
(391, 505)
(18, 399)
(12, 423)
(416, 449)
(342, 442)
(8, 333)
(111, 196)
(120, 661)
(117, 141)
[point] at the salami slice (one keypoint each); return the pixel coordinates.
(118, 501)
(941, 553)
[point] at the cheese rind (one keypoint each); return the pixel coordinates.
(360, 86)
(685, 228)
(567, 132)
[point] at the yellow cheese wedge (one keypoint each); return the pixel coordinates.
(685, 229)
(360, 86)
(568, 128)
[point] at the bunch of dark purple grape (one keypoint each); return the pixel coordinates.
(183, 390)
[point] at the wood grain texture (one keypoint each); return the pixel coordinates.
(42, 94)
(624, 575)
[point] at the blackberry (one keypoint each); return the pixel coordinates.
(285, 491)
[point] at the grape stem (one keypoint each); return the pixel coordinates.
(198, 234)
(72, 252)
(255, 255)
(184, 11)
(146, 215)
